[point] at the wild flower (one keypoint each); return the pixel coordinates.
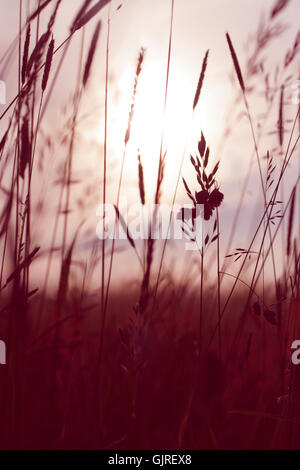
(209, 196)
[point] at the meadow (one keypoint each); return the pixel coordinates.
(99, 357)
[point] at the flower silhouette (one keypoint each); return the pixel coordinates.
(210, 198)
(210, 201)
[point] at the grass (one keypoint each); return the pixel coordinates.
(197, 362)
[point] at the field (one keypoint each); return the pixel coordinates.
(142, 343)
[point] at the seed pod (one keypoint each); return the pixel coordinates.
(48, 65)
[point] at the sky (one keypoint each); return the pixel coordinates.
(198, 26)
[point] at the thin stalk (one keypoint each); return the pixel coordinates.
(28, 217)
(105, 162)
(171, 218)
(260, 175)
(219, 285)
(78, 96)
(104, 294)
(270, 205)
(201, 289)
(150, 245)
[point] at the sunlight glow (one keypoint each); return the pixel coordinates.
(181, 128)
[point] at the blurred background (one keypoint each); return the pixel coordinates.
(198, 26)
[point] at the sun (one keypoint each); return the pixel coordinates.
(178, 126)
